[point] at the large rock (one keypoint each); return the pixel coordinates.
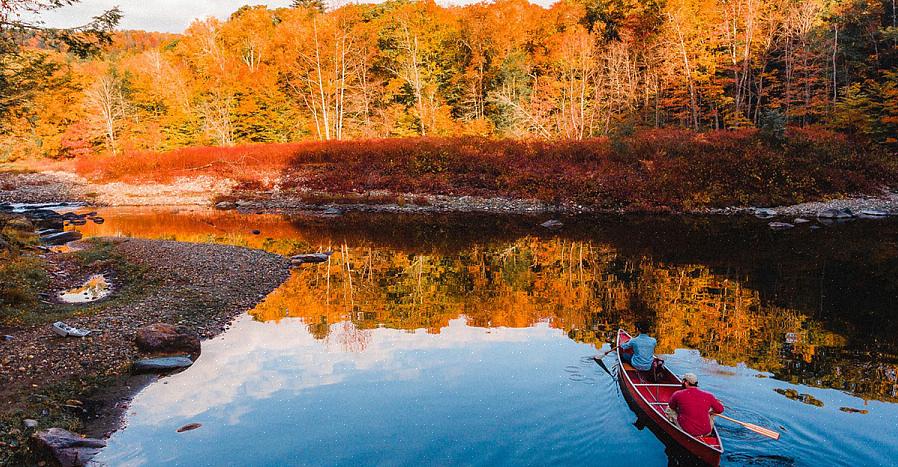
(61, 238)
(161, 364)
(167, 338)
(833, 213)
(67, 448)
(764, 213)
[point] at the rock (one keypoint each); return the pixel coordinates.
(51, 223)
(332, 212)
(189, 426)
(225, 205)
(853, 410)
(815, 227)
(552, 224)
(873, 213)
(78, 221)
(835, 214)
(67, 448)
(21, 224)
(61, 238)
(310, 258)
(98, 220)
(167, 338)
(256, 231)
(29, 423)
(6, 338)
(45, 232)
(780, 225)
(161, 364)
(764, 213)
(800, 220)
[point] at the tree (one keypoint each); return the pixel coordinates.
(22, 69)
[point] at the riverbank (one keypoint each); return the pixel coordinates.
(79, 384)
(56, 185)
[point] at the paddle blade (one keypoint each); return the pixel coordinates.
(751, 426)
(602, 364)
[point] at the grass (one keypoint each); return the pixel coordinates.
(648, 170)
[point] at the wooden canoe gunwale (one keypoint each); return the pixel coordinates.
(629, 387)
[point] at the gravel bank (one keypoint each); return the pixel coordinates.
(202, 286)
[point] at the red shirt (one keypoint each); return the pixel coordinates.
(692, 406)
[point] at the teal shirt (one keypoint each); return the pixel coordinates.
(643, 347)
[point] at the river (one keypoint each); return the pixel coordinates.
(467, 339)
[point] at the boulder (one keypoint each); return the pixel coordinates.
(780, 225)
(800, 220)
(61, 238)
(833, 213)
(225, 205)
(167, 338)
(764, 213)
(30, 423)
(98, 220)
(552, 224)
(67, 448)
(161, 364)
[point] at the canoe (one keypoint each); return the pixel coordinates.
(649, 400)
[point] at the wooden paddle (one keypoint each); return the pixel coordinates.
(757, 429)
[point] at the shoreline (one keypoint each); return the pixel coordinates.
(85, 384)
(203, 191)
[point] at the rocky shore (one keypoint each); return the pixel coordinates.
(79, 383)
(18, 187)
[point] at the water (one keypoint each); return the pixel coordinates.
(95, 288)
(467, 340)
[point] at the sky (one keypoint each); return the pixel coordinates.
(151, 15)
(168, 15)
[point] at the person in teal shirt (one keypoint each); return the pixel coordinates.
(643, 347)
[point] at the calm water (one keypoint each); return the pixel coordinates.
(467, 340)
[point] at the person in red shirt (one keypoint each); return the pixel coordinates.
(691, 408)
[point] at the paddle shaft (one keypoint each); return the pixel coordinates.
(757, 429)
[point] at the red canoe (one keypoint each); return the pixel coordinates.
(649, 401)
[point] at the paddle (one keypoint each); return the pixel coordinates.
(757, 429)
(602, 362)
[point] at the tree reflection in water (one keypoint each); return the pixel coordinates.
(809, 308)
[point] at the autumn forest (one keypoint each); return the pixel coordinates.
(508, 69)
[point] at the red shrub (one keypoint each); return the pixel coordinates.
(666, 168)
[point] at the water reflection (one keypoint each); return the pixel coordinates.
(409, 306)
(807, 307)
